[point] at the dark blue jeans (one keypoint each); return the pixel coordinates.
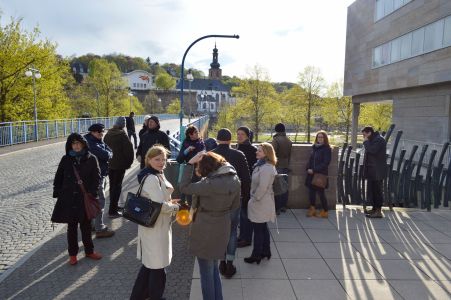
(210, 281)
(281, 200)
(245, 226)
(149, 284)
(261, 240)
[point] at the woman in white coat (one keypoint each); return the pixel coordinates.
(261, 208)
(155, 244)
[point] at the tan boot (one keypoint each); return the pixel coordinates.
(323, 214)
(311, 212)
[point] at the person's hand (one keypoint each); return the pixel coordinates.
(310, 171)
(191, 148)
(175, 201)
(197, 158)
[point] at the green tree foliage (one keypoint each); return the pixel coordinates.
(257, 100)
(152, 104)
(107, 80)
(377, 115)
(283, 86)
(20, 50)
(165, 81)
(231, 82)
(227, 118)
(173, 107)
(312, 82)
(295, 108)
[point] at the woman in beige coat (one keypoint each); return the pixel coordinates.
(155, 243)
(261, 207)
(218, 193)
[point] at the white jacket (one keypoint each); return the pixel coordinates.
(261, 208)
(155, 244)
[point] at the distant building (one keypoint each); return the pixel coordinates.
(399, 51)
(79, 70)
(139, 80)
(210, 94)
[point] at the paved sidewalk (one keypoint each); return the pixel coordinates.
(403, 256)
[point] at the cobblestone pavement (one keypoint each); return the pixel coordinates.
(26, 201)
(47, 275)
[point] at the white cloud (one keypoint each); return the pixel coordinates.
(283, 36)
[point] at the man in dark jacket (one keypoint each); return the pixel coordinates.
(152, 136)
(103, 153)
(237, 159)
(374, 169)
(122, 159)
(244, 145)
(131, 130)
(282, 146)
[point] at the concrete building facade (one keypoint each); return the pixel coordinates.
(399, 51)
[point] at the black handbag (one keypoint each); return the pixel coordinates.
(280, 184)
(141, 210)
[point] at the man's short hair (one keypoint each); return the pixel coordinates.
(368, 129)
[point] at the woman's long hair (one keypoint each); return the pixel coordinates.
(154, 151)
(270, 154)
(326, 137)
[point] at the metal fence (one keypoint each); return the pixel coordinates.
(20, 132)
(418, 174)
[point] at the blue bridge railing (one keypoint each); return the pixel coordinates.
(20, 132)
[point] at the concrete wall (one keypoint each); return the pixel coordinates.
(363, 34)
(298, 194)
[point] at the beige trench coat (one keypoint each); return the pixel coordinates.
(261, 207)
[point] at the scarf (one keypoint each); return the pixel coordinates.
(146, 171)
(259, 163)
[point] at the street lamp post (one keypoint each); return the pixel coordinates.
(35, 74)
(182, 75)
(190, 79)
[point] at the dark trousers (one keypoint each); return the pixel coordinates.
(116, 177)
(281, 200)
(245, 226)
(322, 196)
(374, 193)
(261, 239)
(135, 139)
(149, 284)
(72, 237)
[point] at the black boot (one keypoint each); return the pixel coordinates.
(230, 270)
(252, 259)
(222, 267)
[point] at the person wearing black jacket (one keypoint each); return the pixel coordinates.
(318, 163)
(237, 159)
(131, 130)
(374, 168)
(244, 145)
(69, 207)
(144, 128)
(152, 136)
(103, 153)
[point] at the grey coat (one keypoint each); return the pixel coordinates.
(217, 195)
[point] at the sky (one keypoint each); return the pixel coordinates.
(282, 36)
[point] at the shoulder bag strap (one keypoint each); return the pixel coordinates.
(79, 181)
(138, 193)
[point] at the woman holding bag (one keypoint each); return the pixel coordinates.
(69, 207)
(318, 164)
(155, 243)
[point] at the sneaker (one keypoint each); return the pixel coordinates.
(94, 255)
(243, 243)
(311, 212)
(73, 260)
(106, 233)
(230, 270)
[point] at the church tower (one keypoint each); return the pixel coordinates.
(215, 71)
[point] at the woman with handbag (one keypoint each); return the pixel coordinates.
(217, 194)
(70, 206)
(261, 207)
(317, 171)
(155, 243)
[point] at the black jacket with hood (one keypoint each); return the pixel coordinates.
(69, 205)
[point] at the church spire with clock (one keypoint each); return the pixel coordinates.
(215, 71)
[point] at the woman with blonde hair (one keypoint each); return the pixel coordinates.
(318, 163)
(155, 243)
(261, 207)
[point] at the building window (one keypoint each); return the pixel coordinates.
(212, 106)
(428, 38)
(145, 85)
(134, 84)
(386, 7)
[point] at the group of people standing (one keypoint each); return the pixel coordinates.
(226, 188)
